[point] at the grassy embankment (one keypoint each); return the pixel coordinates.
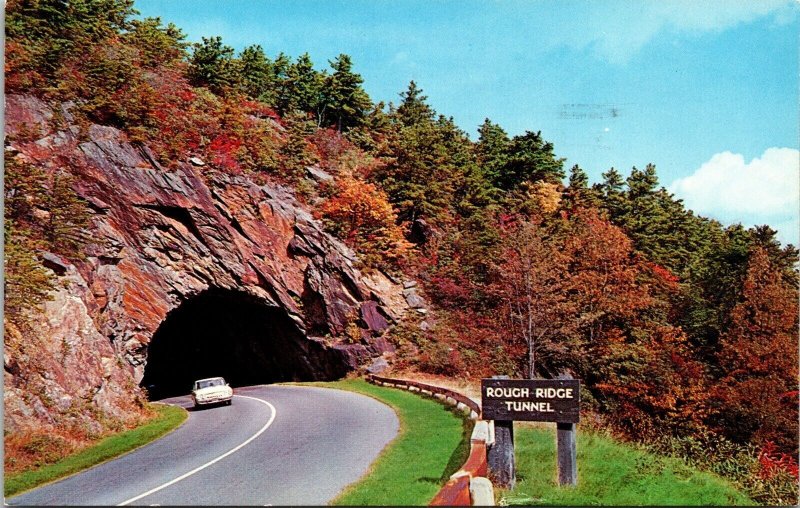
(432, 444)
(167, 419)
(610, 473)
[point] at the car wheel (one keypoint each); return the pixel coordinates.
(229, 401)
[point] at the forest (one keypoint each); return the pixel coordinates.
(683, 331)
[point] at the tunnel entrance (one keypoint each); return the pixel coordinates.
(237, 336)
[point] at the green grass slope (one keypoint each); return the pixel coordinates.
(610, 473)
(168, 418)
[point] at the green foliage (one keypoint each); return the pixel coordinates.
(157, 44)
(26, 282)
(64, 229)
(39, 215)
(296, 152)
(425, 160)
(257, 74)
(530, 158)
(346, 102)
(212, 65)
(51, 30)
(302, 90)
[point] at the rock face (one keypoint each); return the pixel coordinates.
(160, 238)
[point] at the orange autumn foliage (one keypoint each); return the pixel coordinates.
(359, 213)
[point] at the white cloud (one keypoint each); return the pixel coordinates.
(764, 191)
(617, 30)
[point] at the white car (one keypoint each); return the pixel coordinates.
(213, 390)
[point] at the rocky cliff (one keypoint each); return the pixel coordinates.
(190, 256)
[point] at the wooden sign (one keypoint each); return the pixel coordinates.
(537, 400)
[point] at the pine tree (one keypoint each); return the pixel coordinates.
(68, 217)
(347, 102)
(257, 75)
(578, 194)
(492, 151)
(296, 153)
(212, 65)
(530, 159)
(158, 45)
(26, 282)
(422, 173)
(303, 91)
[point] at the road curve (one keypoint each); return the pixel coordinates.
(275, 445)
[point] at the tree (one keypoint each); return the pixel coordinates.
(296, 153)
(212, 65)
(578, 194)
(301, 90)
(531, 282)
(360, 214)
(424, 160)
(757, 396)
(26, 282)
(611, 190)
(413, 109)
(347, 102)
(157, 44)
(51, 30)
(530, 159)
(68, 216)
(257, 78)
(492, 150)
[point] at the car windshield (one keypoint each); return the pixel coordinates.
(210, 382)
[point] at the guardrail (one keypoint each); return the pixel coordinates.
(468, 486)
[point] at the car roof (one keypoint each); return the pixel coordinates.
(210, 379)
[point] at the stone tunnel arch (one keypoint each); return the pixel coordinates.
(238, 336)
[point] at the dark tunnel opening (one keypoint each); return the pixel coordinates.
(234, 335)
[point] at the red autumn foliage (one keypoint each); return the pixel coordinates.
(759, 356)
(771, 461)
(224, 150)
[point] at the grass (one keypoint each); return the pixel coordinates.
(432, 444)
(610, 473)
(168, 418)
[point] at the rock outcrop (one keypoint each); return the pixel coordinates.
(160, 237)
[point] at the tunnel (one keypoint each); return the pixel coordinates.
(237, 336)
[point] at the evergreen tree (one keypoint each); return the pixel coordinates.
(347, 102)
(492, 150)
(578, 194)
(422, 173)
(413, 109)
(212, 65)
(158, 45)
(68, 217)
(296, 153)
(51, 30)
(530, 159)
(257, 78)
(26, 283)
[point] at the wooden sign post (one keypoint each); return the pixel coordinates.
(538, 400)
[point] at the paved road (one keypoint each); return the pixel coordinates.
(275, 445)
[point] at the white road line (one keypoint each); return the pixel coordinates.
(200, 468)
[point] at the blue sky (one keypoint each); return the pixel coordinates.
(707, 91)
